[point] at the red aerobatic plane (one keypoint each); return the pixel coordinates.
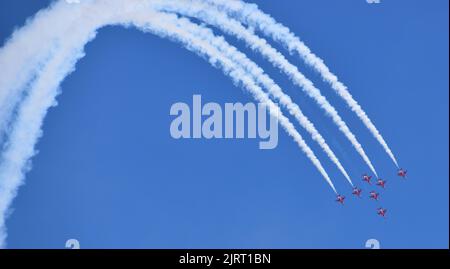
(381, 211)
(374, 195)
(401, 172)
(381, 182)
(340, 199)
(366, 178)
(357, 191)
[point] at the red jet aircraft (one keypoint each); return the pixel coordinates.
(381, 211)
(374, 195)
(357, 191)
(366, 178)
(340, 199)
(402, 173)
(381, 183)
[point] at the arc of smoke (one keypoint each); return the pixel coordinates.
(211, 15)
(31, 46)
(264, 80)
(40, 95)
(252, 16)
(27, 126)
(26, 50)
(202, 42)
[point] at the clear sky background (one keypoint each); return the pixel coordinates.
(109, 174)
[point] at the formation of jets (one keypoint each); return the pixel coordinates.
(373, 194)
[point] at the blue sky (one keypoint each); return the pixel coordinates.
(109, 174)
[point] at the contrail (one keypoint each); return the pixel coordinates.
(214, 17)
(252, 16)
(275, 91)
(41, 95)
(26, 128)
(27, 49)
(196, 42)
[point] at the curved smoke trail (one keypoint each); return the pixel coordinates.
(275, 91)
(27, 50)
(41, 94)
(211, 15)
(202, 41)
(252, 16)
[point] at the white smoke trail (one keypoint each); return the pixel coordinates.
(203, 42)
(214, 17)
(30, 47)
(27, 126)
(252, 16)
(232, 53)
(41, 94)
(26, 50)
